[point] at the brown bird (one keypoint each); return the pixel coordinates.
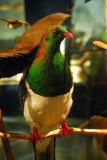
(14, 23)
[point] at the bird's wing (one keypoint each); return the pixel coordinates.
(33, 35)
(15, 60)
(22, 90)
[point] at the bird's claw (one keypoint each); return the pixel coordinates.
(64, 129)
(35, 136)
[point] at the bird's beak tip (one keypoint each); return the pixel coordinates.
(67, 34)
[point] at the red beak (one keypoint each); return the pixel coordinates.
(67, 34)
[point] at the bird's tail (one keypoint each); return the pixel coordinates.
(49, 154)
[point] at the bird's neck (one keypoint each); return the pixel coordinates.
(47, 49)
(49, 75)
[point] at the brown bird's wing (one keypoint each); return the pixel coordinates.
(33, 35)
(16, 59)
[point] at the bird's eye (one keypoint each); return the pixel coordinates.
(54, 30)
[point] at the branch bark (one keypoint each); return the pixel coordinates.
(54, 133)
(100, 44)
(5, 141)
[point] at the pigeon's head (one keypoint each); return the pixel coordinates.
(56, 34)
(53, 37)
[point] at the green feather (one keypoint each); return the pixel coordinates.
(49, 75)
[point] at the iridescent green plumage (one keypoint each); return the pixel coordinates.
(49, 75)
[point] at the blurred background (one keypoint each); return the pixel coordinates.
(88, 64)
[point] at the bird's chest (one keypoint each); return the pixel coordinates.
(50, 77)
(47, 110)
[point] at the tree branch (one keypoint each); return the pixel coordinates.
(5, 141)
(54, 133)
(100, 44)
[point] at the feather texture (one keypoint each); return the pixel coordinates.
(16, 59)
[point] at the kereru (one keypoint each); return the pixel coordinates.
(20, 56)
(46, 90)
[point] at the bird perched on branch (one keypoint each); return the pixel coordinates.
(46, 91)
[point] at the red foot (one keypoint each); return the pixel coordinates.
(35, 136)
(64, 129)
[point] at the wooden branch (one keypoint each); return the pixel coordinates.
(55, 133)
(100, 44)
(5, 141)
